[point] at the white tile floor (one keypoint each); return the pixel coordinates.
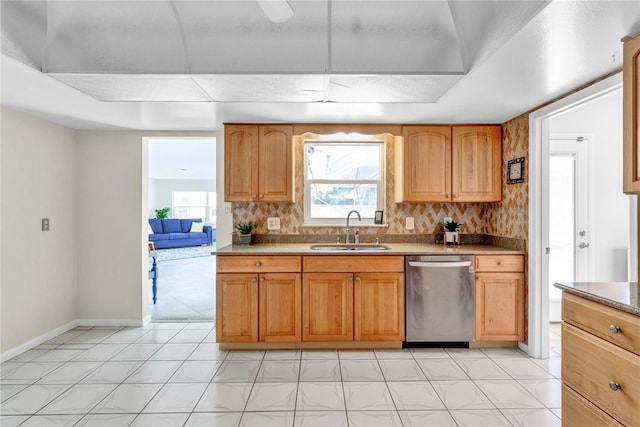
(173, 374)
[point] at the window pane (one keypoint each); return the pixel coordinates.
(343, 161)
(336, 200)
(189, 198)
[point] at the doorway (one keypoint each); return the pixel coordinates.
(568, 204)
(182, 178)
(596, 110)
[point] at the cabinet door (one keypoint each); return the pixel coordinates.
(476, 156)
(499, 306)
(280, 307)
(423, 164)
(237, 308)
(276, 164)
(631, 115)
(327, 307)
(240, 163)
(379, 307)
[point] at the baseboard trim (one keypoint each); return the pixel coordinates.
(10, 354)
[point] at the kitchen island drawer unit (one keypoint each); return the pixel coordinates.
(603, 373)
(353, 298)
(258, 299)
(499, 297)
(615, 326)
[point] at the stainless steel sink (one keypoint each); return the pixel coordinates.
(329, 247)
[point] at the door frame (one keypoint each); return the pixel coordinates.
(539, 134)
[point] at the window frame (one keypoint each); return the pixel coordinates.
(380, 182)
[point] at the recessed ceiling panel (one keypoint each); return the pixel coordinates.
(387, 88)
(410, 37)
(263, 88)
(238, 37)
(140, 88)
(114, 37)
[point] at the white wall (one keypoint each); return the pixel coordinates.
(39, 286)
(163, 190)
(602, 117)
(90, 268)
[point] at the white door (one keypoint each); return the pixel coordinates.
(568, 234)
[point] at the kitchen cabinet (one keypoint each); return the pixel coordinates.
(258, 163)
(353, 298)
(258, 299)
(600, 364)
(499, 299)
(449, 164)
(631, 114)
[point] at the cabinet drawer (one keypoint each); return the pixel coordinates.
(353, 264)
(591, 365)
(618, 327)
(513, 263)
(579, 412)
(259, 264)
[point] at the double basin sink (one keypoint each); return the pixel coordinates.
(330, 247)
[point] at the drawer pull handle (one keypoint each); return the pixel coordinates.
(258, 264)
(614, 386)
(614, 329)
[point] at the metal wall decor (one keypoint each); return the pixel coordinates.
(515, 170)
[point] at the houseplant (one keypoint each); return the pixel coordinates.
(451, 231)
(162, 213)
(245, 229)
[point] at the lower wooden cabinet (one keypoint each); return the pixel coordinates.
(499, 299)
(579, 412)
(258, 299)
(327, 307)
(353, 298)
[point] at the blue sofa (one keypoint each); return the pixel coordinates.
(176, 233)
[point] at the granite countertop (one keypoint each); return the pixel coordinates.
(621, 295)
(394, 249)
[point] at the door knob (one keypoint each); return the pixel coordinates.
(583, 245)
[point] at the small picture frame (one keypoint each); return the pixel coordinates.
(515, 170)
(378, 217)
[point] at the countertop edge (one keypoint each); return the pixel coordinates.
(599, 299)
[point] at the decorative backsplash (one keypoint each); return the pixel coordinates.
(505, 219)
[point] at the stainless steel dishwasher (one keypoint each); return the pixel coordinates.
(439, 300)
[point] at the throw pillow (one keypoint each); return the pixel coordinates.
(197, 226)
(149, 229)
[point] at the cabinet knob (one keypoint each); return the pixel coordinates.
(350, 279)
(500, 263)
(455, 196)
(258, 264)
(614, 329)
(449, 196)
(253, 280)
(253, 196)
(357, 278)
(614, 386)
(262, 280)
(260, 196)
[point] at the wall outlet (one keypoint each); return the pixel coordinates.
(45, 224)
(273, 223)
(408, 223)
(226, 207)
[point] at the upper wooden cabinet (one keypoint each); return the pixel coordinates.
(449, 164)
(258, 163)
(631, 115)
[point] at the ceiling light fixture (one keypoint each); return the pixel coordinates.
(276, 10)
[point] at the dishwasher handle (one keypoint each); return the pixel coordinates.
(445, 264)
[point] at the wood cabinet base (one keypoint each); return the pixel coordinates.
(351, 345)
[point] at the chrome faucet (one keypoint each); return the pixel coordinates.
(347, 240)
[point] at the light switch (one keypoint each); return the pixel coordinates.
(408, 223)
(45, 224)
(273, 223)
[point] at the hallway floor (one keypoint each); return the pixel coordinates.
(174, 374)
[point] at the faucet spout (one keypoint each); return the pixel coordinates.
(347, 240)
